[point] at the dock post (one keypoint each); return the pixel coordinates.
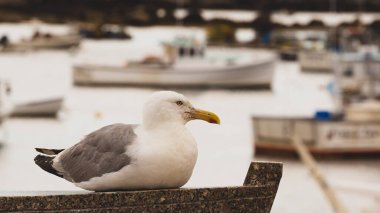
(265, 174)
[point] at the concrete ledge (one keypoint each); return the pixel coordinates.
(256, 195)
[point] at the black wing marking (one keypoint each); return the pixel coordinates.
(46, 163)
(49, 151)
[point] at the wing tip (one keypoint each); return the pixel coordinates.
(48, 151)
(46, 163)
(38, 149)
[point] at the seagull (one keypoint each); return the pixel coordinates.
(160, 153)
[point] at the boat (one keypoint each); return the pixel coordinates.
(358, 71)
(288, 53)
(258, 75)
(323, 138)
(310, 46)
(314, 55)
(184, 65)
(46, 41)
(256, 195)
(105, 31)
(286, 43)
(44, 108)
(316, 61)
(353, 130)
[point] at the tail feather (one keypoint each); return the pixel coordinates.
(49, 151)
(46, 163)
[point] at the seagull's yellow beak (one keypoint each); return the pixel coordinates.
(205, 115)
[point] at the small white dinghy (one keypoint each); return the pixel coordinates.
(43, 108)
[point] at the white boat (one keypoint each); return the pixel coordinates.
(186, 64)
(302, 45)
(257, 74)
(44, 42)
(38, 108)
(359, 73)
(273, 135)
(314, 55)
(316, 60)
(354, 130)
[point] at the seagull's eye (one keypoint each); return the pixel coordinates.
(179, 103)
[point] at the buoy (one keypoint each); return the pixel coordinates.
(98, 115)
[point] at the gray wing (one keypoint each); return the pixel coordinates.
(101, 152)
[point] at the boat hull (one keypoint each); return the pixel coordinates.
(257, 75)
(43, 108)
(323, 138)
(59, 42)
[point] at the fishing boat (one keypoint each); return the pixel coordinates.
(316, 61)
(185, 64)
(256, 195)
(288, 52)
(104, 31)
(46, 41)
(335, 137)
(287, 44)
(44, 108)
(353, 130)
(314, 55)
(358, 72)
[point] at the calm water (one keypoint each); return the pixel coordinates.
(225, 151)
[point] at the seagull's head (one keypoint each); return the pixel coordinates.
(168, 106)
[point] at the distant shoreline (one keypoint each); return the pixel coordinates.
(238, 18)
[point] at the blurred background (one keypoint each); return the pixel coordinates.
(270, 69)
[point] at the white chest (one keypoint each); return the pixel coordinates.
(168, 157)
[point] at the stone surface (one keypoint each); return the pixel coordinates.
(256, 195)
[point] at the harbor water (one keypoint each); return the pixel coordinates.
(225, 151)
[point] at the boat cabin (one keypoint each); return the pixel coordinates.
(184, 48)
(358, 74)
